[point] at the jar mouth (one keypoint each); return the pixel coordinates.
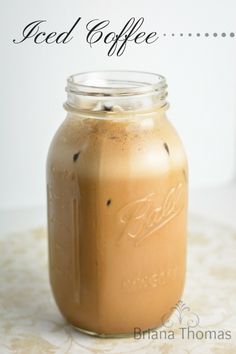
(116, 83)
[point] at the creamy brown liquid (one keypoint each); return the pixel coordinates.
(117, 201)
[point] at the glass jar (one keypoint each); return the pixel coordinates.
(117, 204)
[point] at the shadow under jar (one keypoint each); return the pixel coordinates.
(117, 204)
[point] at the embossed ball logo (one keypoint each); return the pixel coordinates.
(142, 217)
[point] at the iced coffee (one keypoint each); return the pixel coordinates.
(117, 204)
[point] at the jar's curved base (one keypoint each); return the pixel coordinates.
(103, 335)
(112, 335)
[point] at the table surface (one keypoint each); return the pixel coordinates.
(31, 323)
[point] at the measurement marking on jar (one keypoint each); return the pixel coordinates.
(50, 230)
(52, 196)
(76, 259)
(141, 218)
(54, 245)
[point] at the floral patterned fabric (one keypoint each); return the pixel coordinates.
(30, 322)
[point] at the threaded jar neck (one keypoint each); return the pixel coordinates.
(115, 92)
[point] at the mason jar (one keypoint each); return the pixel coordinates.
(117, 204)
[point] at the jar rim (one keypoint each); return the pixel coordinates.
(116, 83)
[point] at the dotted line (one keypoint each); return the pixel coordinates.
(231, 34)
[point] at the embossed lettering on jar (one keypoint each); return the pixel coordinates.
(117, 204)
